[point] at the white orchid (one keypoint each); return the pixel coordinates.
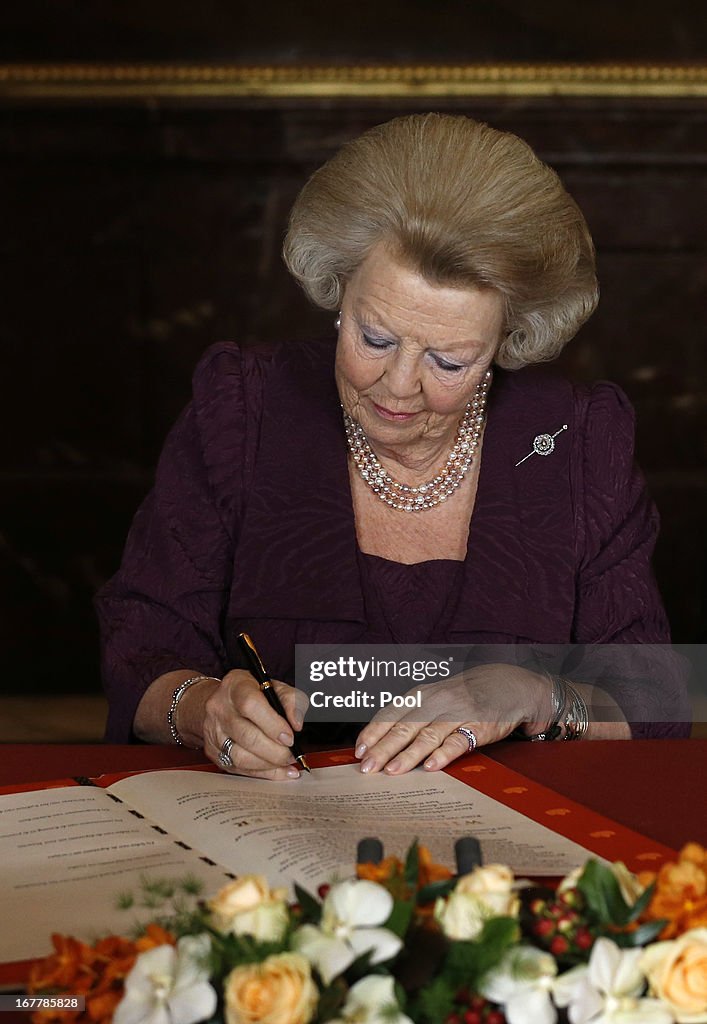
(372, 1001)
(169, 985)
(523, 982)
(608, 990)
(351, 912)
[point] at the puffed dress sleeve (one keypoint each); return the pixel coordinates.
(617, 600)
(164, 608)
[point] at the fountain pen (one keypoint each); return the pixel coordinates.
(257, 670)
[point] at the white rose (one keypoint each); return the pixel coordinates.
(484, 893)
(249, 907)
(494, 878)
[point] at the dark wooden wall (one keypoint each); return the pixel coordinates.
(408, 31)
(134, 235)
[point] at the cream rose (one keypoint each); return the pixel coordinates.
(484, 893)
(279, 990)
(494, 878)
(630, 885)
(677, 974)
(249, 907)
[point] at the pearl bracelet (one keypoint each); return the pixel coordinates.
(176, 697)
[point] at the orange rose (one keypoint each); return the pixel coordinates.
(279, 990)
(677, 974)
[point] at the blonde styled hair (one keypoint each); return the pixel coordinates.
(463, 204)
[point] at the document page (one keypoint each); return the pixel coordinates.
(307, 831)
(66, 855)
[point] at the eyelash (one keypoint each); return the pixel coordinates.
(382, 344)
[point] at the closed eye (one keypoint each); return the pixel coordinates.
(379, 343)
(445, 365)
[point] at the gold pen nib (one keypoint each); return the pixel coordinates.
(301, 761)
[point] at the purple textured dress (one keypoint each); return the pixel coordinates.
(250, 526)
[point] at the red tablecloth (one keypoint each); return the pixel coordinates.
(653, 786)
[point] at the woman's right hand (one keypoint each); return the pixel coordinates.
(261, 738)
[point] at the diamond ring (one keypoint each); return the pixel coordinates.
(224, 758)
(468, 736)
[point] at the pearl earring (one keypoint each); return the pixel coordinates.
(337, 322)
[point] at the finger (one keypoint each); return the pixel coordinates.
(428, 739)
(379, 726)
(272, 774)
(455, 745)
(244, 761)
(400, 736)
(252, 749)
(295, 703)
(249, 702)
(280, 774)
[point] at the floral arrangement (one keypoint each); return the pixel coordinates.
(404, 943)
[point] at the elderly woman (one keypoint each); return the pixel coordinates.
(419, 481)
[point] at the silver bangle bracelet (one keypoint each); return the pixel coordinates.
(552, 730)
(577, 718)
(176, 697)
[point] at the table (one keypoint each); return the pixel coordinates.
(654, 786)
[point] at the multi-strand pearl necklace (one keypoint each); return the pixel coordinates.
(415, 499)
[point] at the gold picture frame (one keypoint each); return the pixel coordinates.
(138, 82)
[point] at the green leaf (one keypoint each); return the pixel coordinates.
(360, 966)
(641, 903)
(331, 999)
(191, 885)
(162, 888)
(311, 907)
(499, 931)
(434, 1003)
(400, 917)
(412, 865)
(644, 934)
(599, 887)
(389, 1012)
(435, 890)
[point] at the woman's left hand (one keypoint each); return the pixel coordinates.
(491, 700)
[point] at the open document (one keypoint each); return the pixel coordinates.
(68, 853)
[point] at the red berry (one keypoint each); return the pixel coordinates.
(495, 1017)
(537, 907)
(559, 945)
(544, 928)
(566, 923)
(472, 1017)
(584, 938)
(453, 1018)
(477, 1003)
(296, 908)
(323, 890)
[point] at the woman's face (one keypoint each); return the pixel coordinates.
(411, 353)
